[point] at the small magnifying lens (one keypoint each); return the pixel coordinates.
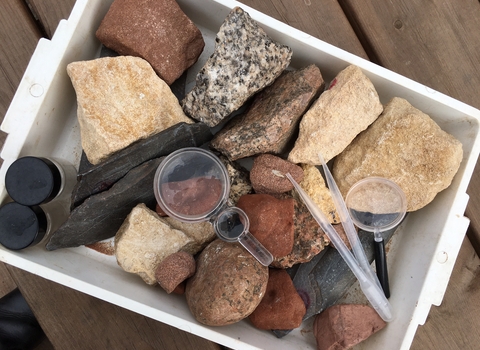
(192, 185)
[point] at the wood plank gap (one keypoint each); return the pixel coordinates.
(36, 19)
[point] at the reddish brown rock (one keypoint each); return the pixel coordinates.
(268, 174)
(271, 221)
(309, 239)
(343, 326)
(281, 307)
(156, 30)
(174, 269)
(270, 122)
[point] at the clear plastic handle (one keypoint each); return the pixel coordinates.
(232, 225)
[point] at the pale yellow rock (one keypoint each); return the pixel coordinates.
(314, 185)
(201, 233)
(406, 146)
(144, 240)
(349, 106)
(120, 100)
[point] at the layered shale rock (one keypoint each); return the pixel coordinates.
(156, 30)
(273, 117)
(120, 100)
(144, 240)
(347, 108)
(245, 61)
(406, 146)
(100, 216)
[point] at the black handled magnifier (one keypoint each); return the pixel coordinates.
(192, 185)
(377, 204)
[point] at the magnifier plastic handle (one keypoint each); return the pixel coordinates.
(381, 266)
(250, 243)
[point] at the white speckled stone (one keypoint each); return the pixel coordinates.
(245, 60)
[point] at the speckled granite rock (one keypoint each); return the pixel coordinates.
(245, 61)
(239, 180)
(314, 184)
(272, 119)
(309, 239)
(347, 108)
(271, 221)
(120, 100)
(156, 30)
(201, 232)
(174, 269)
(268, 174)
(144, 240)
(281, 307)
(345, 325)
(406, 146)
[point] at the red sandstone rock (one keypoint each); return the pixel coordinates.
(281, 307)
(174, 269)
(343, 326)
(268, 174)
(156, 30)
(271, 221)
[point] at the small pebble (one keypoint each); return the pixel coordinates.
(175, 269)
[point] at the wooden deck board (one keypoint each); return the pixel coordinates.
(49, 14)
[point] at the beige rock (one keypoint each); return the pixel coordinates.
(120, 100)
(406, 146)
(349, 106)
(144, 240)
(314, 184)
(201, 232)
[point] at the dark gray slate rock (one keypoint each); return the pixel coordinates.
(101, 215)
(102, 176)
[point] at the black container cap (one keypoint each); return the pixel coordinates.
(33, 181)
(21, 226)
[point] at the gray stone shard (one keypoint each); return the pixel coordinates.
(245, 61)
(101, 215)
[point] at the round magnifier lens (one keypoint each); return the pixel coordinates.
(191, 184)
(231, 223)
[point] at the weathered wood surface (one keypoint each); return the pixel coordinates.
(436, 43)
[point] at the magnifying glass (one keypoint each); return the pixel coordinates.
(192, 185)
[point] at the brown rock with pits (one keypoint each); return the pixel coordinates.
(281, 307)
(174, 269)
(268, 174)
(271, 221)
(156, 30)
(343, 326)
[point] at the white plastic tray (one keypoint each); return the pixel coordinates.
(42, 121)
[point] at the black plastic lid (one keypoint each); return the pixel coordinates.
(21, 226)
(33, 181)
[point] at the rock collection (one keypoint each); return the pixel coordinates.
(287, 121)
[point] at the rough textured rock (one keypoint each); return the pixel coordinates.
(345, 325)
(309, 239)
(97, 178)
(406, 146)
(156, 30)
(347, 108)
(120, 100)
(144, 240)
(271, 221)
(273, 117)
(314, 184)
(281, 307)
(245, 61)
(201, 232)
(228, 285)
(239, 180)
(174, 269)
(268, 174)
(100, 216)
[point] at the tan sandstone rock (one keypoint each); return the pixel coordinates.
(201, 232)
(144, 240)
(406, 146)
(347, 108)
(120, 100)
